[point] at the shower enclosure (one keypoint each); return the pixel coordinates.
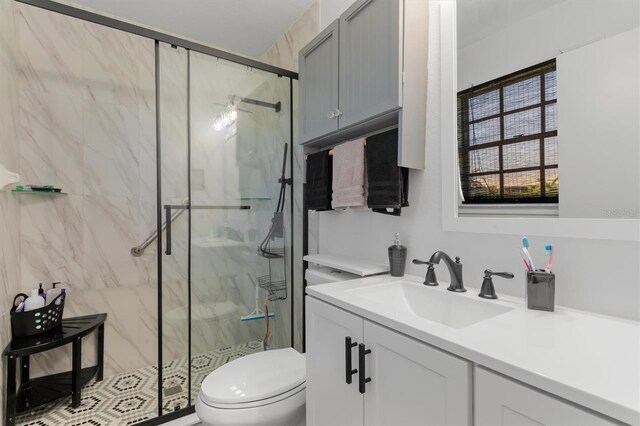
(224, 133)
(178, 219)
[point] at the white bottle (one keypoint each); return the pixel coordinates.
(35, 301)
(52, 294)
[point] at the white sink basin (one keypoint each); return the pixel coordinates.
(451, 309)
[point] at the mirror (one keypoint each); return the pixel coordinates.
(591, 99)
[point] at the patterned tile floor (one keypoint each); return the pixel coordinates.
(131, 398)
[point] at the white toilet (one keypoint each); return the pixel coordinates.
(265, 388)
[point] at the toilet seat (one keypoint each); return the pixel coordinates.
(260, 403)
(255, 380)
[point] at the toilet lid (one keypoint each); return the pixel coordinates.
(255, 377)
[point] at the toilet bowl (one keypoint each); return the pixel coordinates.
(265, 388)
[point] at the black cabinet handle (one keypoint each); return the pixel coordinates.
(363, 375)
(350, 371)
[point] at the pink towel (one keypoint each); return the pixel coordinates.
(349, 175)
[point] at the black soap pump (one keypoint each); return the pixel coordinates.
(397, 258)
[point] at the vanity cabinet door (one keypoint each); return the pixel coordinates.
(319, 85)
(330, 400)
(501, 401)
(413, 383)
(370, 60)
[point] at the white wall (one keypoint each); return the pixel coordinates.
(600, 276)
(599, 129)
(598, 102)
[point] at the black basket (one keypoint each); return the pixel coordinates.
(277, 290)
(37, 321)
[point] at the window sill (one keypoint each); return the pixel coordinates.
(597, 229)
(507, 210)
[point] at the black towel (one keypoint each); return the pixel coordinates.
(388, 184)
(405, 196)
(319, 177)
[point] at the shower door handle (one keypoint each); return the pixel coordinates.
(167, 218)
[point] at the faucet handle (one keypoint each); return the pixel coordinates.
(488, 291)
(457, 259)
(489, 273)
(430, 279)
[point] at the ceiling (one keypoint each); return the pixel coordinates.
(247, 27)
(478, 19)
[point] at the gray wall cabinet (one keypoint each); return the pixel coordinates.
(370, 60)
(319, 85)
(366, 73)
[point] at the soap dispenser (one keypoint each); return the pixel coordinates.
(397, 258)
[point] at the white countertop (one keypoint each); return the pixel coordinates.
(590, 359)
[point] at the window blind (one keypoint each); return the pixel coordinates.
(508, 138)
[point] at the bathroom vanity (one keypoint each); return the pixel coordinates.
(384, 350)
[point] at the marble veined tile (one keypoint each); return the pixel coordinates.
(110, 63)
(8, 86)
(112, 147)
(9, 156)
(51, 234)
(9, 249)
(146, 73)
(50, 51)
(110, 231)
(147, 154)
(51, 148)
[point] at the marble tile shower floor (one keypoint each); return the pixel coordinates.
(131, 398)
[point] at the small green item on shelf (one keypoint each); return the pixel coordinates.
(19, 188)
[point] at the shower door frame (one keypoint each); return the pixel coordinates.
(188, 45)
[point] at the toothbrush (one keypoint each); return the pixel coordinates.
(548, 249)
(523, 254)
(525, 249)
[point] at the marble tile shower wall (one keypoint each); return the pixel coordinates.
(87, 124)
(10, 157)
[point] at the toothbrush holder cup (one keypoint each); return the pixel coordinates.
(541, 289)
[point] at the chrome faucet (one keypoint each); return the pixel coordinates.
(455, 270)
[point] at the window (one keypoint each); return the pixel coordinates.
(508, 138)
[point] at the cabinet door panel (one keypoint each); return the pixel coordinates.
(330, 400)
(413, 383)
(501, 401)
(319, 84)
(370, 59)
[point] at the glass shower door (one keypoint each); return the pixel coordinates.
(173, 216)
(225, 205)
(240, 272)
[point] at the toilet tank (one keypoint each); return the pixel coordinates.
(328, 268)
(325, 274)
